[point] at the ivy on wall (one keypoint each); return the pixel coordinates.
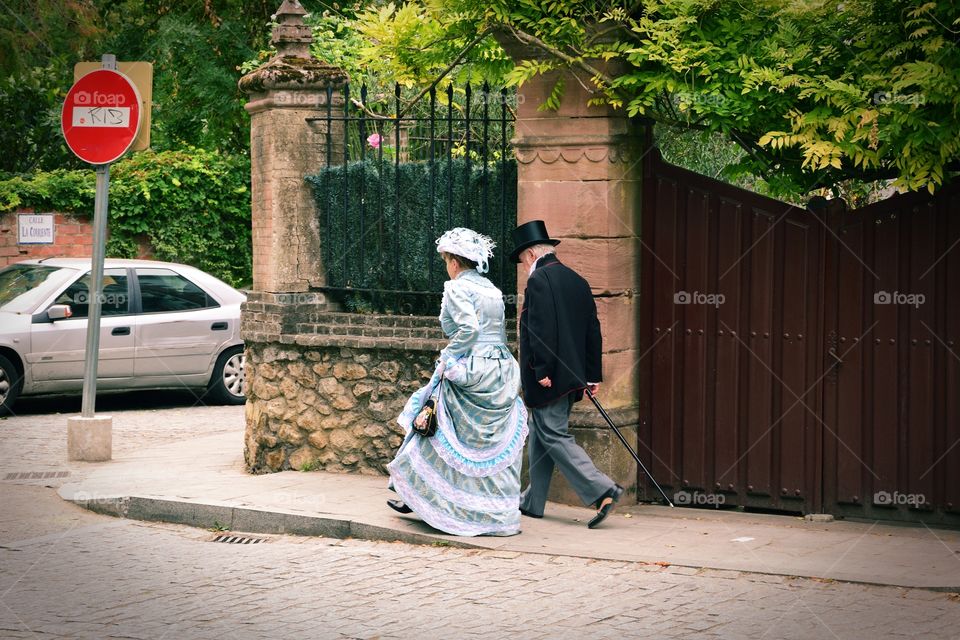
(379, 223)
(190, 206)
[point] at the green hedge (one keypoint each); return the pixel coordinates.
(67, 191)
(192, 206)
(421, 220)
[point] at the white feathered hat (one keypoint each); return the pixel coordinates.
(469, 244)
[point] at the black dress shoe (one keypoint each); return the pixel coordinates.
(399, 506)
(605, 505)
(528, 514)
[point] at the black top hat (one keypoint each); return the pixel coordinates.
(529, 234)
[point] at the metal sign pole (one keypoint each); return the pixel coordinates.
(100, 208)
(89, 437)
(96, 291)
(101, 118)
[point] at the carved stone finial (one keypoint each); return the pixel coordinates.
(291, 37)
(293, 69)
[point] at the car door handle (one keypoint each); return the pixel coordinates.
(120, 331)
(218, 326)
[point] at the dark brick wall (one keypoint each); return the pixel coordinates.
(305, 319)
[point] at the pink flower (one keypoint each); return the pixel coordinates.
(374, 140)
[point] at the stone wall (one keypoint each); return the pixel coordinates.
(324, 388)
(331, 408)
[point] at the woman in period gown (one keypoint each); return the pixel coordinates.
(465, 480)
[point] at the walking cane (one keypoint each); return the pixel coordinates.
(596, 403)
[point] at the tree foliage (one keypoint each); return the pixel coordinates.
(195, 47)
(815, 92)
(188, 198)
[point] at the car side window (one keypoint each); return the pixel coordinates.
(116, 298)
(164, 290)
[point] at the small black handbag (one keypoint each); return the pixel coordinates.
(428, 414)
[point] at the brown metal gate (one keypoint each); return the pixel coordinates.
(757, 388)
(892, 312)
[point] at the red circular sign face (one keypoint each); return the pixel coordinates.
(101, 116)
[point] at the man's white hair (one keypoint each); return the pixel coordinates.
(540, 250)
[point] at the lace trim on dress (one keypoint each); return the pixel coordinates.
(454, 494)
(472, 462)
(440, 520)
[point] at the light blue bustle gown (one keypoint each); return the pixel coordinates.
(465, 480)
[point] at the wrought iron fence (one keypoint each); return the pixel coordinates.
(410, 167)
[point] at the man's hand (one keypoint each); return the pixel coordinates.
(545, 382)
(594, 388)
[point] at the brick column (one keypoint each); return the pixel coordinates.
(284, 147)
(579, 170)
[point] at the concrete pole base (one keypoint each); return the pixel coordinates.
(90, 439)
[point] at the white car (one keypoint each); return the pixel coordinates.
(163, 325)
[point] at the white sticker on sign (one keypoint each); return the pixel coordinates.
(101, 116)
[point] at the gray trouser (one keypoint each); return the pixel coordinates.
(550, 445)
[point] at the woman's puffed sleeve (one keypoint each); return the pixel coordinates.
(458, 306)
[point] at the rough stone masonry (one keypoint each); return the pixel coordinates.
(329, 408)
(324, 388)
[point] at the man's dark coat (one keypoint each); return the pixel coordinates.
(559, 334)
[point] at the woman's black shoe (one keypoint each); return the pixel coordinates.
(398, 506)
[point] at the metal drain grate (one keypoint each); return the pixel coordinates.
(239, 539)
(36, 475)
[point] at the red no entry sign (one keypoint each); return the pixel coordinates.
(101, 116)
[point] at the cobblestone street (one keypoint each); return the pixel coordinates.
(122, 579)
(68, 573)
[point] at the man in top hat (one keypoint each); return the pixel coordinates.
(560, 353)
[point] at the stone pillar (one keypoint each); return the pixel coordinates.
(579, 170)
(284, 148)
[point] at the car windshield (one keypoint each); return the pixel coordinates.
(24, 286)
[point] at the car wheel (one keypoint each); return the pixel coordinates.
(226, 386)
(11, 382)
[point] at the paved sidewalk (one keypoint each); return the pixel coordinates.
(202, 482)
